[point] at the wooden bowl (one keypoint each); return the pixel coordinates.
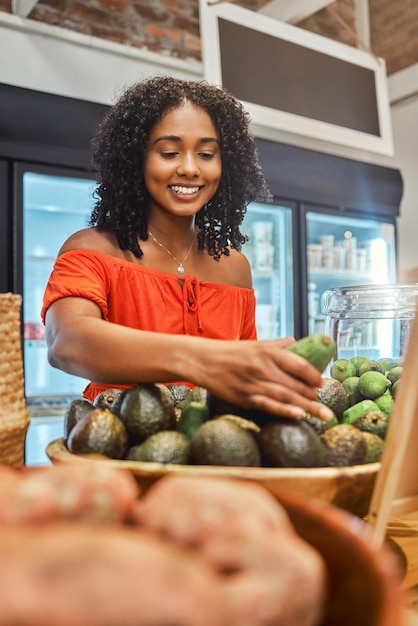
(349, 488)
(364, 579)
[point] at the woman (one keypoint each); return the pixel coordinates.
(157, 289)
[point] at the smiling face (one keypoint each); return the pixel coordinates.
(182, 164)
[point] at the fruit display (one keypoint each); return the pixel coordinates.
(175, 424)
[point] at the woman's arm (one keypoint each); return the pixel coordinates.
(251, 374)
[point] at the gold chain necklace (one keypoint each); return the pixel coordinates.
(180, 264)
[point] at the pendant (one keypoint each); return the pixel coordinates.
(180, 269)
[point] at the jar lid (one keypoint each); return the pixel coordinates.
(387, 300)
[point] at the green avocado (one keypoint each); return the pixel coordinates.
(342, 369)
(318, 349)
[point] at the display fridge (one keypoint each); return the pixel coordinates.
(269, 229)
(343, 249)
(50, 204)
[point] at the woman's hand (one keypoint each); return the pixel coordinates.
(262, 375)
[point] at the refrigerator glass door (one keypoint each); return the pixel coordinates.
(343, 251)
(270, 252)
(53, 208)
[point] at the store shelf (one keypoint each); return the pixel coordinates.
(324, 272)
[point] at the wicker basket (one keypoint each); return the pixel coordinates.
(14, 417)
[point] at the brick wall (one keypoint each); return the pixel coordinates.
(172, 26)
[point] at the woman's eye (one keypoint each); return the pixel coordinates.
(169, 155)
(206, 155)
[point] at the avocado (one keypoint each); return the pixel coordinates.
(385, 402)
(217, 406)
(166, 446)
(147, 409)
(357, 361)
(373, 384)
(387, 363)
(371, 365)
(221, 441)
(318, 349)
(375, 445)
(350, 385)
(290, 443)
(342, 369)
(106, 398)
(196, 394)
(74, 412)
(117, 402)
(357, 410)
(244, 423)
(99, 432)
(344, 445)
(180, 392)
(319, 425)
(376, 422)
(192, 416)
(395, 373)
(394, 388)
(334, 396)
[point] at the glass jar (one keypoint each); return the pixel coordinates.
(373, 321)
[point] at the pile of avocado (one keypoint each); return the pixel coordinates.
(181, 425)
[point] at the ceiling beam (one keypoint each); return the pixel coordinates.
(23, 7)
(295, 11)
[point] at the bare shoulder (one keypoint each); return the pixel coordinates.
(92, 239)
(235, 269)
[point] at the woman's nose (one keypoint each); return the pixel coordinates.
(188, 167)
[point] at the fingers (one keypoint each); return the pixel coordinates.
(298, 368)
(284, 409)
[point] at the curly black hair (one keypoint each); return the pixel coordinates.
(119, 146)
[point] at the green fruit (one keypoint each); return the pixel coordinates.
(244, 423)
(394, 388)
(319, 425)
(374, 421)
(385, 402)
(344, 445)
(106, 398)
(375, 445)
(147, 409)
(395, 373)
(318, 349)
(358, 361)
(342, 369)
(371, 366)
(373, 384)
(357, 410)
(74, 412)
(99, 432)
(334, 396)
(350, 385)
(166, 446)
(387, 363)
(221, 441)
(290, 443)
(192, 417)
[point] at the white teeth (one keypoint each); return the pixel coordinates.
(185, 190)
